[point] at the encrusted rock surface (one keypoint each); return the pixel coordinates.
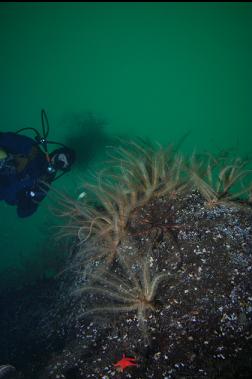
(199, 322)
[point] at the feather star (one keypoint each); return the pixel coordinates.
(125, 362)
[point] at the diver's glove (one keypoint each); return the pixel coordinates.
(28, 201)
(30, 196)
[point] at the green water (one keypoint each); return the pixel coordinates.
(156, 70)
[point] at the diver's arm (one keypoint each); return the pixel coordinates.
(16, 143)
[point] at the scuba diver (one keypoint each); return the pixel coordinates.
(27, 168)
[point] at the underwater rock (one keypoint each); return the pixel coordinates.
(159, 280)
(160, 272)
(177, 297)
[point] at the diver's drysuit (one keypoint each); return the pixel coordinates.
(23, 173)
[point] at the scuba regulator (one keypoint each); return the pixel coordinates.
(43, 141)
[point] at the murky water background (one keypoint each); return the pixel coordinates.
(103, 70)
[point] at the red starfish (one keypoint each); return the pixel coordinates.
(125, 362)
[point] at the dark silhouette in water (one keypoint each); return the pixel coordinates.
(88, 136)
